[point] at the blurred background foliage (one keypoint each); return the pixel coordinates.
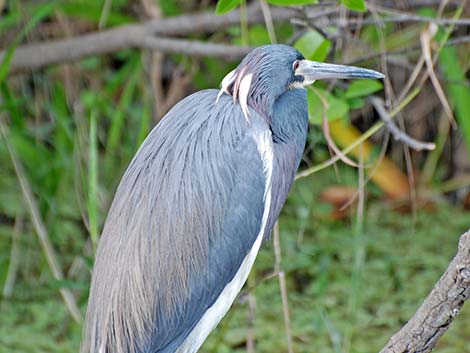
(361, 245)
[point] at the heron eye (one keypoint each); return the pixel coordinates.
(295, 65)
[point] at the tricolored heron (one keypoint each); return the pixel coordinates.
(197, 201)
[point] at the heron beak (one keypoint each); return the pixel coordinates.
(312, 71)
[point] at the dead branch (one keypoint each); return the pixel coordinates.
(414, 3)
(282, 287)
(442, 305)
(193, 47)
(143, 35)
(393, 17)
(411, 49)
(398, 135)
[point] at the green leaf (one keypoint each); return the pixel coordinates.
(355, 5)
(258, 35)
(362, 88)
(224, 6)
(458, 92)
(356, 103)
(313, 46)
(322, 51)
(320, 100)
(291, 2)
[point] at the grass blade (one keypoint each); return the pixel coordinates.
(39, 226)
(92, 204)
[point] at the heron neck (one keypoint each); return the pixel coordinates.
(289, 117)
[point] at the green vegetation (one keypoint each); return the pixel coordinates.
(331, 307)
(354, 276)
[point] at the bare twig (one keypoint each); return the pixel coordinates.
(142, 35)
(344, 151)
(156, 83)
(410, 49)
(430, 62)
(332, 145)
(426, 39)
(370, 173)
(283, 287)
(69, 71)
(398, 19)
(250, 334)
(371, 131)
(15, 255)
(392, 99)
(179, 82)
(105, 13)
(161, 101)
(395, 131)
(414, 3)
(435, 315)
(151, 9)
(326, 132)
(193, 47)
(268, 19)
(399, 16)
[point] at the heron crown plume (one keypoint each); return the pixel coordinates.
(267, 72)
(261, 77)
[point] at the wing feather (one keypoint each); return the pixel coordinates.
(187, 212)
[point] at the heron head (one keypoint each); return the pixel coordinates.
(271, 70)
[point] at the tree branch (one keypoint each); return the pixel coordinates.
(435, 315)
(193, 47)
(143, 35)
(397, 18)
(398, 135)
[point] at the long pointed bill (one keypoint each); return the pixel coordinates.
(312, 71)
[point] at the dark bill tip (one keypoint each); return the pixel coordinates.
(313, 70)
(357, 72)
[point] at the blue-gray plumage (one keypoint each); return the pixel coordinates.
(199, 197)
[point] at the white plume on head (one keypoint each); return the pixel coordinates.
(236, 85)
(227, 81)
(243, 91)
(241, 88)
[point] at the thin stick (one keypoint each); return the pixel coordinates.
(142, 35)
(395, 131)
(371, 131)
(193, 47)
(411, 49)
(15, 255)
(397, 19)
(105, 13)
(426, 39)
(283, 287)
(268, 20)
(326, 131)
(251, 298)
